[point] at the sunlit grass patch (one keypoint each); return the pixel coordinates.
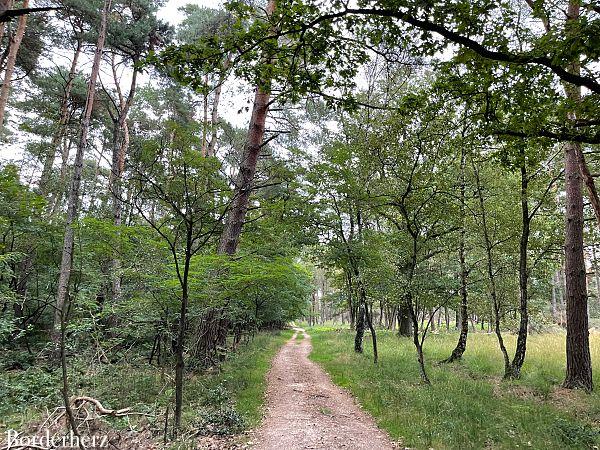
(468, 405)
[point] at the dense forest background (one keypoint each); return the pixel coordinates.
(167, 192)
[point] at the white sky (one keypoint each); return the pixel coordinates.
(170, 13)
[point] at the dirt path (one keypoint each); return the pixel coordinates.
(305, 410)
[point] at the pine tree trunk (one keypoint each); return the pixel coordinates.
(73, 202)
(234, 223)
(15, 43)
(579, 366)
(243, 186)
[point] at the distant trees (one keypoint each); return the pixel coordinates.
(343, 218)
(432, 203)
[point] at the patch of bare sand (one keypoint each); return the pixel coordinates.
(305, 410)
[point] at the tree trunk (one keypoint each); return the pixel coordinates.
(417, 342)
(180, 363)
(519, 358)
(404, 324)
(368, 317)
(360, 329)
(232, 230)
(461, 345)
(15, 43)
(73, 204)
(214, 121)
(579, 366)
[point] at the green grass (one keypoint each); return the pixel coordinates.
(231, 396)
(467, 405)
(244, 374)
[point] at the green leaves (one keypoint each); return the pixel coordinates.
(263, 290)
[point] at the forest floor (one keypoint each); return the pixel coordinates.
(305, 410)
(220, 405)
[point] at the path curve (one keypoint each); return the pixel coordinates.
(305, 410)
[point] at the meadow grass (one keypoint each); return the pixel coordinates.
(468, 405)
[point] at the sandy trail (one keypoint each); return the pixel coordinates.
(305, 410)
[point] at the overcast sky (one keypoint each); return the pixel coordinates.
(170, 12)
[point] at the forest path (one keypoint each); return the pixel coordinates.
(305, 410)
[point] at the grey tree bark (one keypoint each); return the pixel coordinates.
(73, 201)
(461, 345)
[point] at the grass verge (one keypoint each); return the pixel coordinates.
(467, 405)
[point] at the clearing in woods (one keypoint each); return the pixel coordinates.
(305, 410)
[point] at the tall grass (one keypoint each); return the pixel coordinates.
(468, 405)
